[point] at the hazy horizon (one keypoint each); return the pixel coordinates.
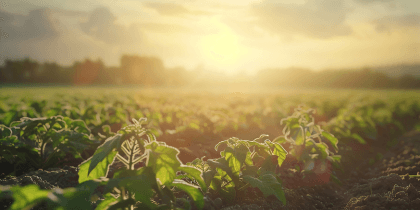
(239, 36)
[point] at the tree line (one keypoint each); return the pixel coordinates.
(361, 78)
(151, 72)
(148, 71)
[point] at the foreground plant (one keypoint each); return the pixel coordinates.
(128, 187)
(50, 138)
(309, 144)
(243, 164)
(156, 178)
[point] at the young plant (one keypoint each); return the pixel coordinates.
(244, 163)
(309, 144)
(14, 154)
(157, 177)
(26, 197)
(354, 123)
(53, 137)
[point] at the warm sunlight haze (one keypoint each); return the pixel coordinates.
(209, 104)
(227, 36)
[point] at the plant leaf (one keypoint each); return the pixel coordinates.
(278, 150)
(27, 196)
(101, 169)
(164, 161)
(192, 190)
(104, 150)
(331, 139)
(195, 174)
(268, 185)
(142, 185)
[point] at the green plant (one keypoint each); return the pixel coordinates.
(309, 144)
(244, 163)
(157, 177)
(14, 154)
(53, 138)
(128, 186)
(26, 197)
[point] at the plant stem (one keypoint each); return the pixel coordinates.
(243, 187)
(130, 163)
(226, 184)
(304, 138)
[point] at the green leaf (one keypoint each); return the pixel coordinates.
(208, 176)
(231, 156)
(222, 164)
(228, 193)
(122, 204)
(75, 198)
(248, 159)
(103, 151)
(195, 174)
(298, 136)
(192, 190)
(268, 185)
(164, 161)
(280, 140)
(250, 171)
(185, 203)
(109, 200)
(278, 150)
(28, 196)
(268, 164)
(220, 143)
(5, 132)
(77, 125)
(9, 117)
(101, 169)
(358, 138)
(261, 138)
(142, 185)
(331, 139)
(322, 148)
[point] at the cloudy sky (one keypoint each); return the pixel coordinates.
(233, 36)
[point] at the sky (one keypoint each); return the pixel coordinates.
(232, 36)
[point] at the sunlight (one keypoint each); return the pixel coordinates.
(222, 49)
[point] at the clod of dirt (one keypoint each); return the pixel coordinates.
(398, 198)
(46, 179)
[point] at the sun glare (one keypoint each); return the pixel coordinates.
(222, 49)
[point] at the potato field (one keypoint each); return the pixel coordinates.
(127, 148)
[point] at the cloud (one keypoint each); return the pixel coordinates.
(173, 9)
(101, 25)
(317, 19)
(41, 36)
(386, 24)
(69, 13)
(373, 1)
(38, 24)
(41, 24)
(166, 28)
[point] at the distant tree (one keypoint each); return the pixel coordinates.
(5, 75)
(408, 81)
(16, 70)
(87, 72)
(29, 70)
(148, 71)
(51, 72)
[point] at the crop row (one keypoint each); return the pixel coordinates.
(72, 131)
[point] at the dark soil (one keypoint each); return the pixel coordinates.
(368, 181)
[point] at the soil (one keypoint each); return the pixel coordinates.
(368, 181)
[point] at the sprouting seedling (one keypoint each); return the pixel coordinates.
(158, 174)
